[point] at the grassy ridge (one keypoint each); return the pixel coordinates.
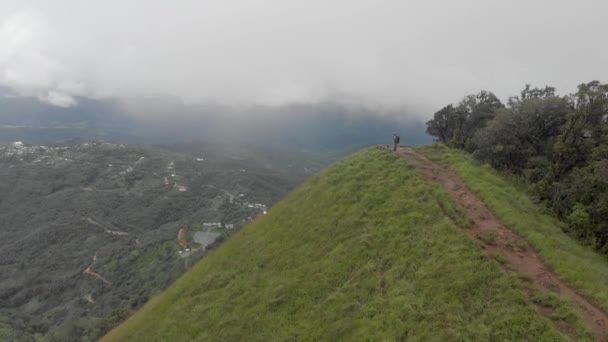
(364, 251)
(576, 264)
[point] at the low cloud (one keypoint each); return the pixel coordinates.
(58, 99)
(397, 54)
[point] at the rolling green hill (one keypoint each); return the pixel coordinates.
(366, 250)
(578, 265)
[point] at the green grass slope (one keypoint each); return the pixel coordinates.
(366, 250)
(578, 265)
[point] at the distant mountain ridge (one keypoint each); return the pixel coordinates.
(324, 126)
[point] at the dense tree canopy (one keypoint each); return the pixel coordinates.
(557, 144)
(455, 125)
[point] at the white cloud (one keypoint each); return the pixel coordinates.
(417, 54)
(58, 99)
(27, 64)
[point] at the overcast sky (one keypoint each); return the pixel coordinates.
(418, 55)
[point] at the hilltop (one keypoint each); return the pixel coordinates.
(91, 230)
(374, 249)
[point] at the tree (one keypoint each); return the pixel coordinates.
(537, 93)
(559, 144)
(444, 124)
(585, 128)
(456, 125)
(525, 129)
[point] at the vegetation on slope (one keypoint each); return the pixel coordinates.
(64, 203)
(557, 144)
(576, 264)
(364, 251)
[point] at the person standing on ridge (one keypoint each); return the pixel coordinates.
(396, 140)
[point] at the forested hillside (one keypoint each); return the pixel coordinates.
(89, 231)
(557, 145)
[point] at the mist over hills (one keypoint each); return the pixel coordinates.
(319, 127)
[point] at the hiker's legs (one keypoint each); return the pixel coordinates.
(394, 146)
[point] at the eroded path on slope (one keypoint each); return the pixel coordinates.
(499, 240)
(94, 274)
(105, 229)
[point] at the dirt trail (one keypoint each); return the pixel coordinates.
(230, 196)
(89, 298)
(96, 275)
(181, 238)
(499, 240)
(109, 231)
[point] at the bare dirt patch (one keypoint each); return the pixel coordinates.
(181, 238)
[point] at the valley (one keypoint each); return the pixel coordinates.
(91, 230)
